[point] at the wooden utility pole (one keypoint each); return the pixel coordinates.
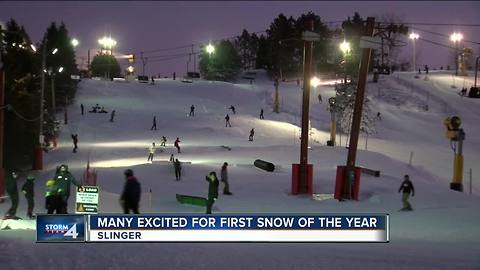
(307, 66)
(357, 112)
(2, 124)
(276, 102)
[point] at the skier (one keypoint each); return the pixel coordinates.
(75, 142)
(174, 76)
(153, 81)
(27, 189)
(261, 114)
(407, 188)
(52, 198)
(172, 158)
(81, 108)
(232, 108)
(212, 180)
(379, 117)
(151, 152)
(131, 193)
(178, 169)
(426, 69)
(112, 115)
(252, 132)
(12, 191)
(224, 179)
(164, 141)
(227, 121)
(419, 71)
(192, 111)
(320, 98)
(154, 125)
(63, 178)
(177, 145)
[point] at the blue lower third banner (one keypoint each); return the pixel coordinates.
(61, 228)
(237, 228)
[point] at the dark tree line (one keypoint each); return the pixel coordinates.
(22, 66)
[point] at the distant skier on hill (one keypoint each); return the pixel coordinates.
(252, 132)
(164, 141)
(261, 114)
(172, 158)
(178, 169)
(232, 108)
(112, 116)
(154, 124)
(406, 188)
(177, 145)
(174, 76)
(227, 121)
(81, 108)
(153, 81)
(151, 152)
(192, 111)
(75, 142)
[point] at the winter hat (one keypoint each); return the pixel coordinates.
(128, 173)
(30, 177)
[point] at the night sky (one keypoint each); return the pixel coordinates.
(143, 26)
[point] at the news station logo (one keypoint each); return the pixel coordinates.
(60, 228)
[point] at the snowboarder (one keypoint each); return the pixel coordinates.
(112, 116)
(27, 189)
(75, 142)
(232, 108)
(379, 117)
(52, 198)
(406, 187)
(227, 121)
(63, 178)
(12, 191)
(178, 169)
(320, 98)
(224, 179)
(131, 193)
(213, 183)
(164, 141)
(172, 158)
(261, 114)
(177, 145)
(151, 152)
(252, 132)
(154, 125)
(81, 108)
(192, 111)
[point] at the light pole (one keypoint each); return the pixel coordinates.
(456, 38)
(107, 45)
(413, 36)
(210, 49)
(345, 48)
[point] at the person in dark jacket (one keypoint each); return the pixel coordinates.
(227, 121)
(213, 183)
(12, 191)
(406, 187)
(131, 193)
(177, 144)
(192, 111)
(112, 116)
(81, 108)
(261, 114)
(28, 189)
(154, 124)
(178, 169)
(75, 142)
(252, 132)
(224, 179)
(63, 179)
(164, 141)
(233, 109)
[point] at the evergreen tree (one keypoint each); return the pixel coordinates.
(105, 66)
(223, 65)
(353, 29)
(262, 60)
(284, 42)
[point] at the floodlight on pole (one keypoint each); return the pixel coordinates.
(414, 36)
(456, 38)
(60, 69)
(314, 81)
(345, 47)
(210, 49)
(55, 51)
(75, 42)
